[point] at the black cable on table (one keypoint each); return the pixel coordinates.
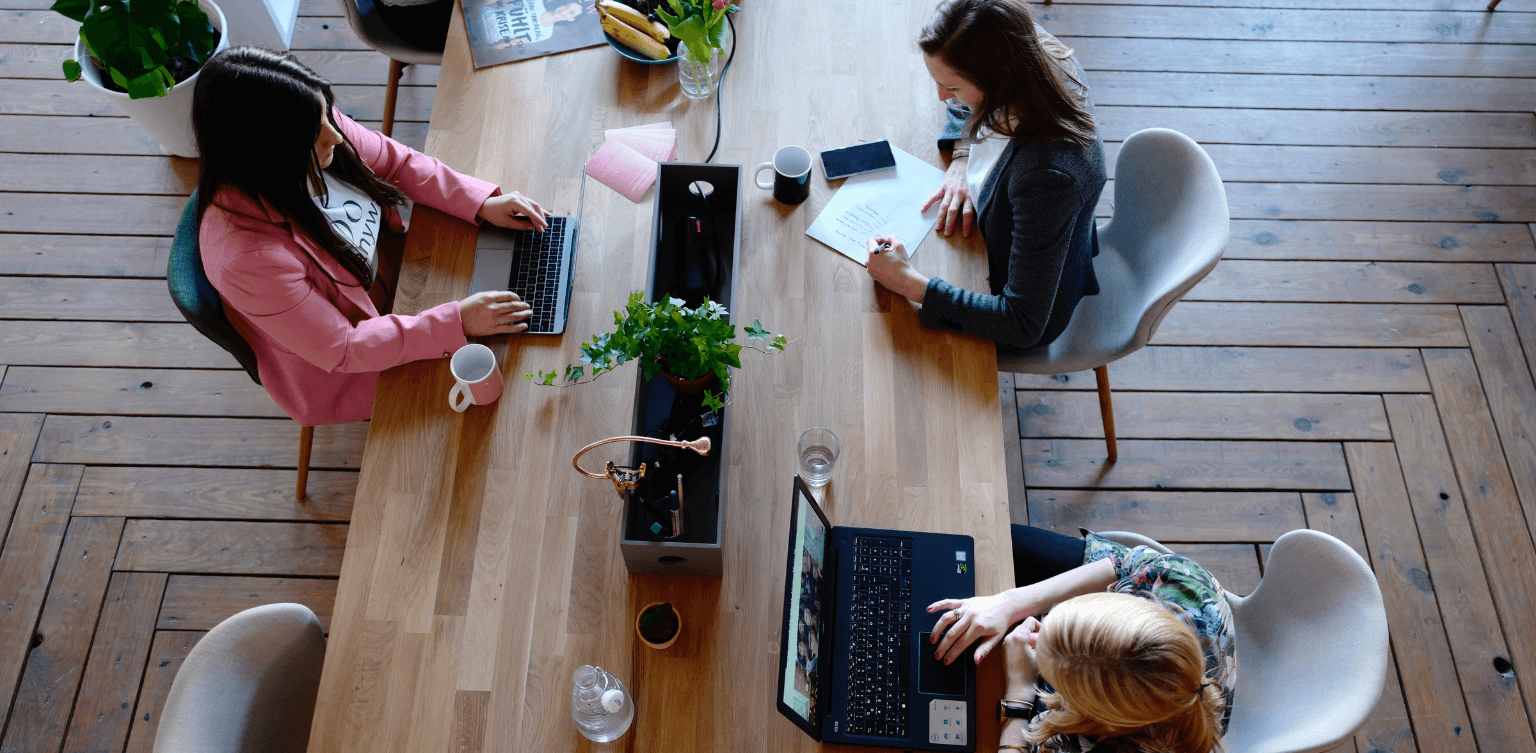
(720, 88)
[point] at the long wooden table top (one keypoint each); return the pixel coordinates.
(481, 571)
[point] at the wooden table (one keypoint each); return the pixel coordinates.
(480, 570)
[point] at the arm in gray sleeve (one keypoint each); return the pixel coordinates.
(1045, 204)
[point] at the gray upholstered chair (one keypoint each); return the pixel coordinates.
(199, 302)
(1169, 228)
(1311, 646)
(363, 17)
(248, 686)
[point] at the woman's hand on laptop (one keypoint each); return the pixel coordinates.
(494, 312)
(979, 618)
(514, 210)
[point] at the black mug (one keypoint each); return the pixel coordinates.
(791, 167)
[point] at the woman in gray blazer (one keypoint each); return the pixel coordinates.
(1027, 163)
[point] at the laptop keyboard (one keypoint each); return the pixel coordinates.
(536, 274)
(879, 678)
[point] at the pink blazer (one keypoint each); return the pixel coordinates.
(320, 346)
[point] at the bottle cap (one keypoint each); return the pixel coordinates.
(613, 700)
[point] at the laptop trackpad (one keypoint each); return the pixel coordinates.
(935, 677)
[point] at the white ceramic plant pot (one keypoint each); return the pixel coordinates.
(167, 119)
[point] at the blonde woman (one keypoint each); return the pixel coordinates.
(1134, 653)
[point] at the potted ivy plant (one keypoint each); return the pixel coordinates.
(144, 55)
(694, 348)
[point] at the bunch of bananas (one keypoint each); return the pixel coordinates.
(637, 28)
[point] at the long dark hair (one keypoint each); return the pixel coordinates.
(257, 120)
(992, 45)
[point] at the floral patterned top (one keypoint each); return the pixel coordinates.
(1174, 579)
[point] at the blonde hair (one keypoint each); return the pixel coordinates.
(1125, 666)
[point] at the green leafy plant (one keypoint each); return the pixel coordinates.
(687, 343)
(139, 42)
(700, 24)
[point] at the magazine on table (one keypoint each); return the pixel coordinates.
(503, 31)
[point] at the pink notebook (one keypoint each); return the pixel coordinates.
(628, 158)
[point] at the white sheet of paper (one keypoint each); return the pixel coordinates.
(884, 202)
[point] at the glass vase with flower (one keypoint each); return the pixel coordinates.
(699, 26)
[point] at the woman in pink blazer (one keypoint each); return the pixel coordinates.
(292, 198)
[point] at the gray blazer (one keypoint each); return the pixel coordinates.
(1036, 214)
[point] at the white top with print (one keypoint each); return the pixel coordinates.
(354, 215)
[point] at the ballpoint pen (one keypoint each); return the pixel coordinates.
(883, 247)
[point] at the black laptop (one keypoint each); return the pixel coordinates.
(857, 666)
(538, 267)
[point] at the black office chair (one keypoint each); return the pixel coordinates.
(199, 302)
(363, 17)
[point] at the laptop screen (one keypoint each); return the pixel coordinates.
(803, 616)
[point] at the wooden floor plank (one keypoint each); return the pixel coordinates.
(1117, 53)
(1348, 282)
(1152, 464)
(1519, 281)
(214, 493)
(1325, 201)
(166, 654)
(1166, 516)
(198, 602)
(125, 344)
(237, 442)
(40, 714)
(1389, 728)
(26, 564)
(1254, 163)
(1182, 368)
(368, 67)
(1346, 325)
(1469, 26)
(110, 686)
(143, 392)
(1236, 566)
(1428, 671)
(1494, 700)
(50, 97)
(83, 255)
(1322, 240)
(312, 33)
(1199, 415)
(18, 438)
(232, 547)
(1293, 92)
(1510, 393)
(88, 299)
(48, 134)
(92, 174)
(1232, 125)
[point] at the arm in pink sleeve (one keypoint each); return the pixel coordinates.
(425, 179)
(272, 290)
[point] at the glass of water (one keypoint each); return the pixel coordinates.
(818, 453)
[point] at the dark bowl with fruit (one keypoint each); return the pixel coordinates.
(648, 8)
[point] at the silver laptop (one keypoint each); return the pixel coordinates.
(537, 266)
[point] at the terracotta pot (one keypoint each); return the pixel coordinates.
(669, 641)
(690, 386)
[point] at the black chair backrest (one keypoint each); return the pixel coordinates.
(196, 297)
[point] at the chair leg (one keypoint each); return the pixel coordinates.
(1107, 411)
(1493, 4)
(391, 91)
(306, 441)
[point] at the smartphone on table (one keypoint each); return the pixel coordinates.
(857, 159)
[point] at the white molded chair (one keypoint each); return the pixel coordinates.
(248, 686)
(1311, 646)
(1169, 228)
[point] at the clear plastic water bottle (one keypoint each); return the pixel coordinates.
(600, 704)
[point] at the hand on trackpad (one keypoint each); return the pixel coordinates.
(938, 678)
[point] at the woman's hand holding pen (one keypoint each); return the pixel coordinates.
(887, 263)
(514, 210)
(954, 199)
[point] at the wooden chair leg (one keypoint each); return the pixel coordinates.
(1493, 4)
(1107, 411)
(306, 441)
(391, 91)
